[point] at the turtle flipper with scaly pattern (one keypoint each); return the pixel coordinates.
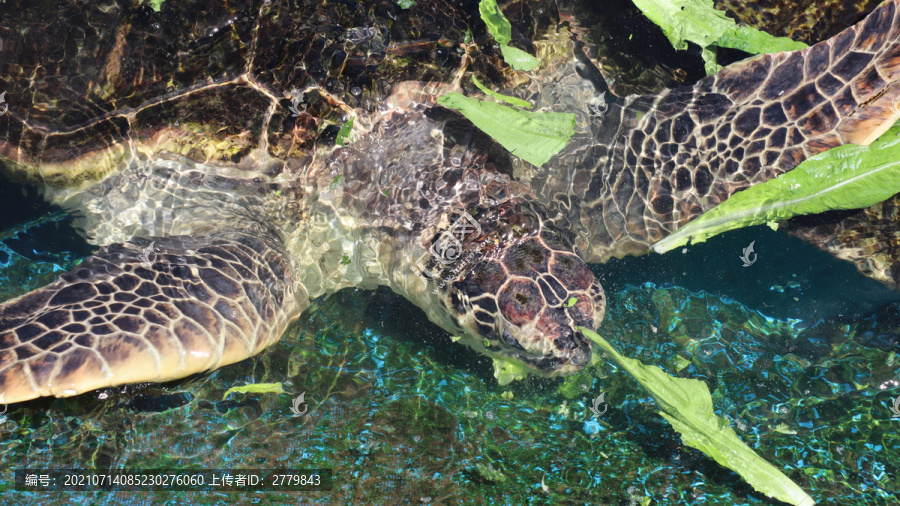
(211, 253)
(652, 163)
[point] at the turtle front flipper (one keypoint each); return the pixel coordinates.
(656, 162)
(149, 310)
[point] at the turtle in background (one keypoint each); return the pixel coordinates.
(197, 147)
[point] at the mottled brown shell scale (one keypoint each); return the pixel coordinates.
(681, 153)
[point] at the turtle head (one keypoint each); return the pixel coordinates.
(527, 292)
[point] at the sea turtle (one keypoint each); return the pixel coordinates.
(193, 145)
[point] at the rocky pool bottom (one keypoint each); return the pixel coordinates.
(403, 415)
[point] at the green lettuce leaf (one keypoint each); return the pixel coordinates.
(499, 28)
(518, 59)
(533, 136)
(845, 177)
(751, 40)
(697, 21)
(156, 5)
(497, 24)
(257, 388)
(687, 405)
(343, 135)
(507, 370)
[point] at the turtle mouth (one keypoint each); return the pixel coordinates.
(569, 352)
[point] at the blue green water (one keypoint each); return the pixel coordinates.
(798, 350)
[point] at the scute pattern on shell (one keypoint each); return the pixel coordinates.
(665, 159)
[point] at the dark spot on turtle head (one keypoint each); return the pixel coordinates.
(520, 301)
(526, 258)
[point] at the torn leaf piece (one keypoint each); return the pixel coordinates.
(533, 136)
(845, 177)
(256, 388)
(687, 405)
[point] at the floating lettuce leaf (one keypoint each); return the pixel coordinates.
(533, 136)
(497, 24)
(845, 177)
(505, 98)
(507, 370)
(709, 60)
(156, 5)
(699, 22)
(257, 388)
(751, 40)
(518, 59)
(687, 405)
(343, 135)
(499, 28)
(696, 21)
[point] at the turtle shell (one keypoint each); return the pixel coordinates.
(808, 22)
(212, 80)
